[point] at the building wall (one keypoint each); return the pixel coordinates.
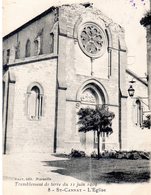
(138, 137)
(42, 26)
(74, 72)
(63, 76)
(28, 135)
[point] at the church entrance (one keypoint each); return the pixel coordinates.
(91, 96)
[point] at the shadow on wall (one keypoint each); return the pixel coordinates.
(103, 170)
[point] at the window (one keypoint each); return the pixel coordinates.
(3, 96)
(8, 56)
(38, 45)
(28, 48)
(92, 40)
(51, 42)
(17, 51)
(139, 113)
(3, 56)
(35, 101)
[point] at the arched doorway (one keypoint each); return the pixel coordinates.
(90, 95)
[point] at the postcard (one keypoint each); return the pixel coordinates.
(76, 98)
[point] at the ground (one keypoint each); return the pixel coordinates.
(38, 174)
(103, 170)
(87, 169)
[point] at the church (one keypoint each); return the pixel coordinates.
(66, 58)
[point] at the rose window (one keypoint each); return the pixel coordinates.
(92, 40)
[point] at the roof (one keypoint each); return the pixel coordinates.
(136, 77)
(40, 16)
(30, 22)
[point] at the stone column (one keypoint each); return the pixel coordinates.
(8, 110)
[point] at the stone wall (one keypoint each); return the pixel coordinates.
(70, 73)
(28, 135)
(43, 27)
(138, 138)
(75, 71)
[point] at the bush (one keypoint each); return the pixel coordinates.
(132, 155)
(146, 20)
(77, 153)
(94, 154)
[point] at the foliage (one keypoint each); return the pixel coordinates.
(113, 154)
(99, 119)
(77, 153)
(131, 155)
(147, 122)
(146, 20)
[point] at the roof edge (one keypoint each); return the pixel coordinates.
(30, 22)
(136, 77)
(86, 4)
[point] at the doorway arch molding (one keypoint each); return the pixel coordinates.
(95, 85)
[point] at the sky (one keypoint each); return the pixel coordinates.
(127, 13)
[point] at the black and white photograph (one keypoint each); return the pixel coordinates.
(76, 97)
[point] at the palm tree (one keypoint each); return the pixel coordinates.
(99, 120)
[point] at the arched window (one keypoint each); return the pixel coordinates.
(28, 48)
(17, 51)
(8, 56)
(51, 42)
(3, 56)
(139, 112)
(3, 96)
(38, 45)
(35, 101)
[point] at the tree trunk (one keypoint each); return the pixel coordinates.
(103, 141)
(98, 135)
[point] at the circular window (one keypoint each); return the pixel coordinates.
(92, 40)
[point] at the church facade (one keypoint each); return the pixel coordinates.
(66, 58)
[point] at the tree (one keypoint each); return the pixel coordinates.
(147, 122)
(146, 20)
(99, 120)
